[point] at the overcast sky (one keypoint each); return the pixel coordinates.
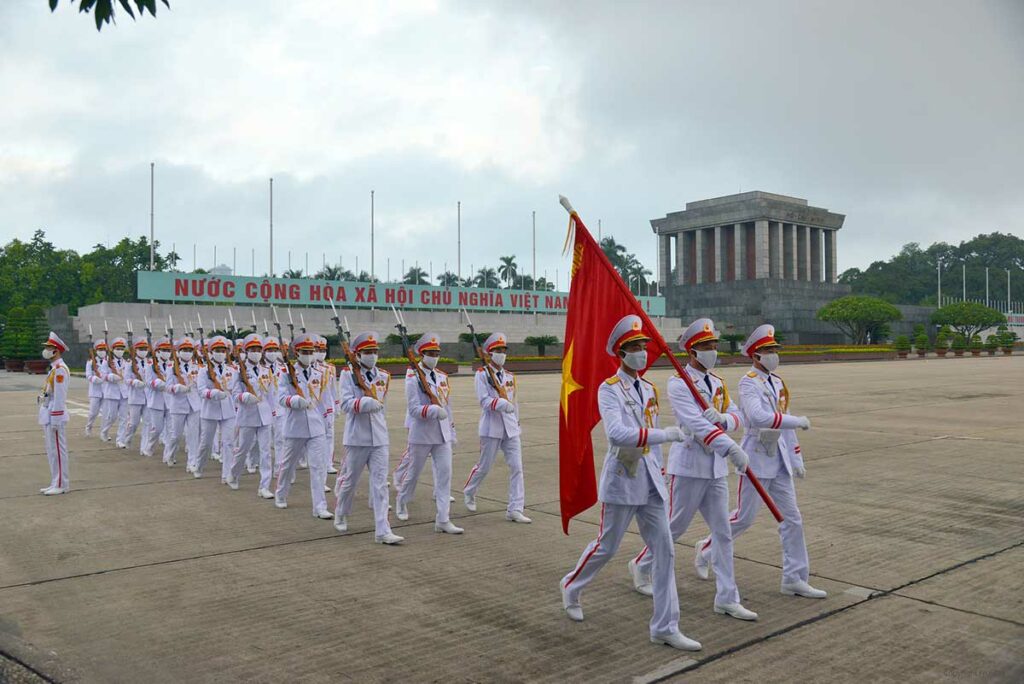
(905, 116)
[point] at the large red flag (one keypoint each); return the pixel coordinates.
(598, 298)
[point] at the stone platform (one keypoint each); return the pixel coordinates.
(912, 506)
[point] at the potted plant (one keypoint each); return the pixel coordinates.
(959, 345)
(942, 341)
(992, 344)
(902, 344)
(1006, 339)
(541, 342)
(976, 345)
(921, 343)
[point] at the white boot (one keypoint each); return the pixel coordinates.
(390, 538)
(517, 517)
(804, 589)
(448, 528)
(572, 609)
(341, 523)
(677, 640)
(470, 502)
(402, 511)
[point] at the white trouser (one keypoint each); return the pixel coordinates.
(182, 425)
(113, 411)
(253, 440)
(152, 430)
(686, 496)
(441, 463)
(130, 424)
(375, 459)
(513, 450)
(95, 404)
(207, 434)
(795, 566)
(653, 524)
(277, 434)
(57, 453)
(312, 448)
(329, 438)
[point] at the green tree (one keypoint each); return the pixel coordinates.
(448, 279)
(415, 276)
(468, 337)
(508, 269)
(545, 284)
(856, 315)
(293, 273)
(108, 273)
(103, 10)
(541, 342)
(968, 318)
(486, 277)
(333, 273)
(626, 263)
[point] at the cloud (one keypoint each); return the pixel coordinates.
(903, 116)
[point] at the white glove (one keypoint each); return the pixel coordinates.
(217, 394)
(436, 412)
(505, 406)
(160, 385)
(799, 471)
(250, 398)
(178, 389)
(370, 405)
(298, 403)
(805, 423)
(137, 384)
(713, 416)
(738, 457)
(111, 378)
(95, 380)
(674, 434)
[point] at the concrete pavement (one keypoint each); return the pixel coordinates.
(913, 510)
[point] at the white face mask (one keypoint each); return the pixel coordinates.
(142, 353)
(219, 357)
(49, 353)
(368, 360)
(119, 353)
(273, 356)
(185, 355)
(320, 356)
(101, 354)
(636, 360)
(430, 361)
(253, 356)
(769, 361)
(305, 359)
(164, 355)
(498, 358)
(707, 358)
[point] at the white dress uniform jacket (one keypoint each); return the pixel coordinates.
(53, 407)
(364, 429)
(770, 440)
(424, 430)
(629, 411)
(310, 422)
(494, 422)
(185, 402)
(223, 408)
(158, 399)
(702, 454)
(261, 379)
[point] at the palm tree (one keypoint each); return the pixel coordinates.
(486, 277)
(448, 279)
(416, 276)
(365, 277)
(508, 269)
(172, 260)
(333, 273)
(292, 273)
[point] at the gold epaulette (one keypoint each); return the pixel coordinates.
(612, 380)
(752, 374)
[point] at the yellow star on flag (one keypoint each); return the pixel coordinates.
(569, 384)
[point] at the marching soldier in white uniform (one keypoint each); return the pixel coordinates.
(182, 385)
(254, 389)
(775, 458)
(331, 380)
(135, 382)
(115, 393)
(365, 437)
(217, 411)
(53, 415)
(499, 429)
(632, 485)
(431, 434)
(96, 382)
(697, 466)
(158, 400)
(272, 356)
(302, 395)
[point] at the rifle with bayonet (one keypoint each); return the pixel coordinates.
(290, 356)
(485, 359)
(403, 332)
(156, 361)
(345, 339)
